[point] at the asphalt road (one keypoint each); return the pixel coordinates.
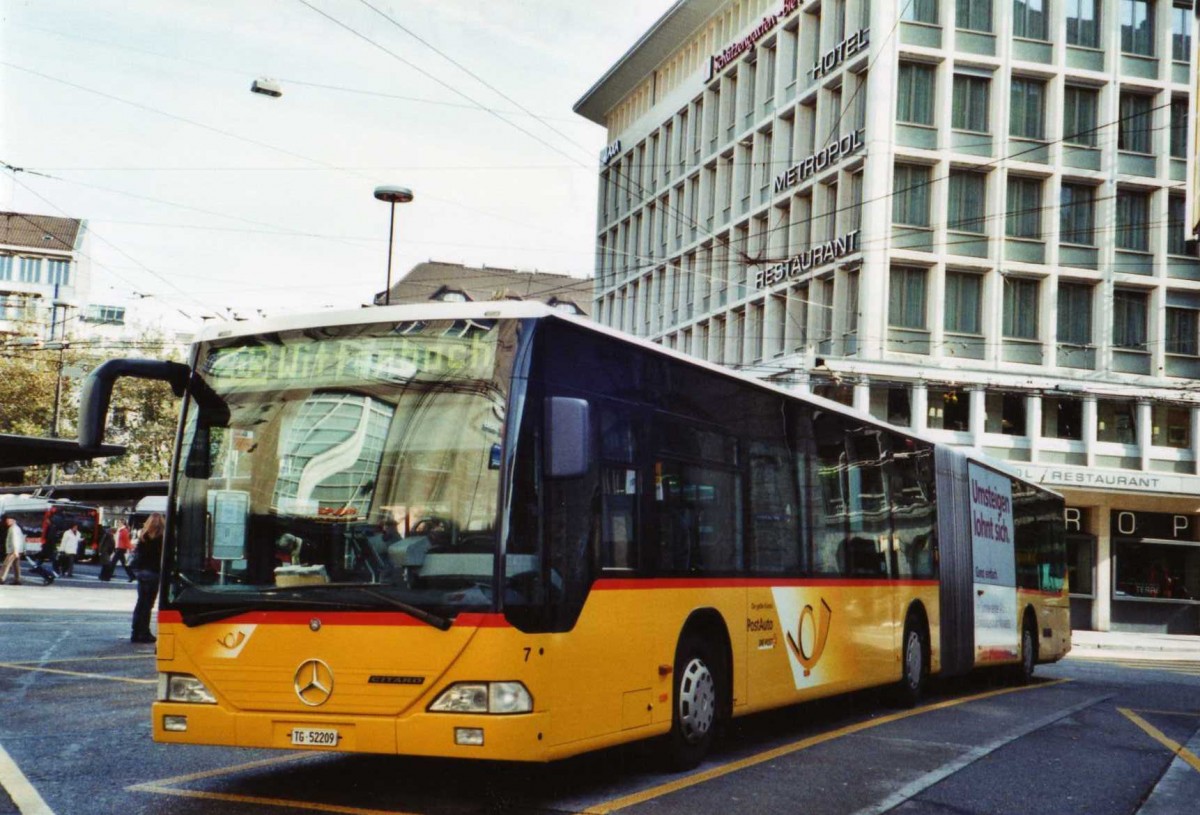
(1089, 737)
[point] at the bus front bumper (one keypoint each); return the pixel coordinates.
(517, 737)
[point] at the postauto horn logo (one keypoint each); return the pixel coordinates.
(812, 632)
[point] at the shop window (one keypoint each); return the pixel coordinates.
(1116, 421)
(1062, 417)
(1005, 413)
(1081, 565)
(949, 409)
(1172, 426)
(892, 403)
(1157, 571)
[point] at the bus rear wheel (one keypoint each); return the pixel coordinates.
(916, 664)
(696, 712)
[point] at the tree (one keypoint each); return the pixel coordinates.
(143, 415)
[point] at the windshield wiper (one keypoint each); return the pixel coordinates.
(193, 618)
(429, 618)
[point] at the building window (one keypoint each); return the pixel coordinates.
(1062, 417)
(1079, 115)
(910, 195)
(1129, 319)
(1181, 32)
(1075, 313)
(1137, 27)
(1181, 331)
(1177, 237)
(914, 99)
(6, 265)
(107, 315)
(1135, 128)
(970, 109)
(891, 402)
(1077, 214)
(967, 201)
(949, 409)
(1171, 426)
(31, 270)
(1020, 308)
(58, 272)
(1083, 23)
(1004, 413)
(974, 15)
(1029, 19)
(1027, 119)
(963, 302)
(921, 11)
(1179, 127)
(1116, 421)
(1133, 217)
(1024, 211)
(906, 305)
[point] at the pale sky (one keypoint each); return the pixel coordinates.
(207, 196)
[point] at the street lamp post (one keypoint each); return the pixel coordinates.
(393, 195)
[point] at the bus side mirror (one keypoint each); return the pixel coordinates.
(568, 432)
(97, 391)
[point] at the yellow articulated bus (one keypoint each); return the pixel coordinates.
(492, 530)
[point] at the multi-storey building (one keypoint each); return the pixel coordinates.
(966, 218)
(44, 272)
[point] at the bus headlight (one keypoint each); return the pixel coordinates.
(184, 688)
(484, 697)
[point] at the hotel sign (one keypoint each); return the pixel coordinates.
(841, 52)
(724, 58)
(811, 258)
(610, 152)
(828, 156)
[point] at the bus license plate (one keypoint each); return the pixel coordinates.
(312, 737)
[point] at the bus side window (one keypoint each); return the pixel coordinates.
(620, 490)
(827, 477)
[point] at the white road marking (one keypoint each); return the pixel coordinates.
(19, 789)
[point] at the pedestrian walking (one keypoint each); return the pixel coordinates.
(123, 550)
(14, 548)
(108, 547)
(68, 550)
(47, 554)
(147, 562)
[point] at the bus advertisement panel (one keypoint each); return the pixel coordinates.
(494, 531)
(994, 561)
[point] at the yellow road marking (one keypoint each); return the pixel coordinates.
(1175, 747)
(161, 787)
(236, 768)
(788, 749)
(1168, 712)
(81, 659)
(19, 667)
(271, 802)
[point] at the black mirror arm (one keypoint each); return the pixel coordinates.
(97, 389)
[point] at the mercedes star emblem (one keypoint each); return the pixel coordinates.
(313, 682)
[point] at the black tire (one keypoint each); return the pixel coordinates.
(914, 655)
(697, 704)
(1024, 671)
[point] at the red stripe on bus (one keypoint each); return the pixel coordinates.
(614, 584)
(377, 618)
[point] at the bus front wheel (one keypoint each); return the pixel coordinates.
(699, 683)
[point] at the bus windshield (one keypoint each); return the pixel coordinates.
(354, 467)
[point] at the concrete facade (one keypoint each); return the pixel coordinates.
(970, 222)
